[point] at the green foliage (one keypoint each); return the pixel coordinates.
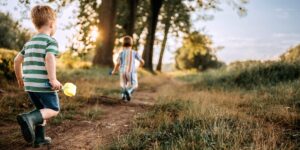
(69, 60)
(196, 53)
(12, 35)
(88, 18)
(293, 54)
(176, 14)
(7, 63)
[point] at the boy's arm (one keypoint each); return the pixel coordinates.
(51, 69)
(18, 69)
(117, 65)
(140, 59)
(116, 68)
(142, 62)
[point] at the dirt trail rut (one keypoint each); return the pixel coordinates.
(85, 134)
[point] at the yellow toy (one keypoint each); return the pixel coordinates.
(69, 89)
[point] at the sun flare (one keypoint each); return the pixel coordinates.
(94, 33)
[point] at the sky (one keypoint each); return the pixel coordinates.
(267, 31)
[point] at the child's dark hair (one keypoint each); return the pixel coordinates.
(127, 41)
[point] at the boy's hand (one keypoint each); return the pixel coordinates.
(56, 85)
(21, 83)
(112, 72)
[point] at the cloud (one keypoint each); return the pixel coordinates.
(286, 35)
(256, 48)
(284, 13)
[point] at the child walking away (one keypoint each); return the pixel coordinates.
(126, 66)
(35, 68)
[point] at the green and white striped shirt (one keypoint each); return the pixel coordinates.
(34, 71)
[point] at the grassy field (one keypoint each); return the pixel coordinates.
(250, 107)
(239, 107)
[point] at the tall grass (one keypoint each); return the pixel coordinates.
(182, 124)
(246, 77)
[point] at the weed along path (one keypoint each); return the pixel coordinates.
(104, 118)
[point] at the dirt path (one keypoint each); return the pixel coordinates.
(85, 134)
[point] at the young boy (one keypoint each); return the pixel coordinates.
(35, 68)
(126, 66)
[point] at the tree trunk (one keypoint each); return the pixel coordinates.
(132, 16)
(163, 46)
(155, 6)
(105, 41)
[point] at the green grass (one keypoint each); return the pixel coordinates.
(93, 113)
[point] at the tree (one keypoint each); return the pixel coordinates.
(131, 19)
(196, 53)
(128, 20)
(155, 6)
(201, 4)
(105, 42)
(12, 34)
(133, 4)
(175, 16)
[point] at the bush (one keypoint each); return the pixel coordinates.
(12, 34)
(248, 75)
(7, 63)
(268, 74)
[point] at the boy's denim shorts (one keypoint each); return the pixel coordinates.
(45, 100)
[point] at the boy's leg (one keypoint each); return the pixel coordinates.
(123, 85)
(134, 83)
(48, 113)
(26, 120)
(128, 85)
(50, 102)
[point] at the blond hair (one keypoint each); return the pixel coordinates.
(127, 41)
(42, 15)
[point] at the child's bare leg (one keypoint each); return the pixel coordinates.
(48, 113)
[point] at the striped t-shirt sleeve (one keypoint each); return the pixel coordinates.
(52, 47)
(137, 56)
